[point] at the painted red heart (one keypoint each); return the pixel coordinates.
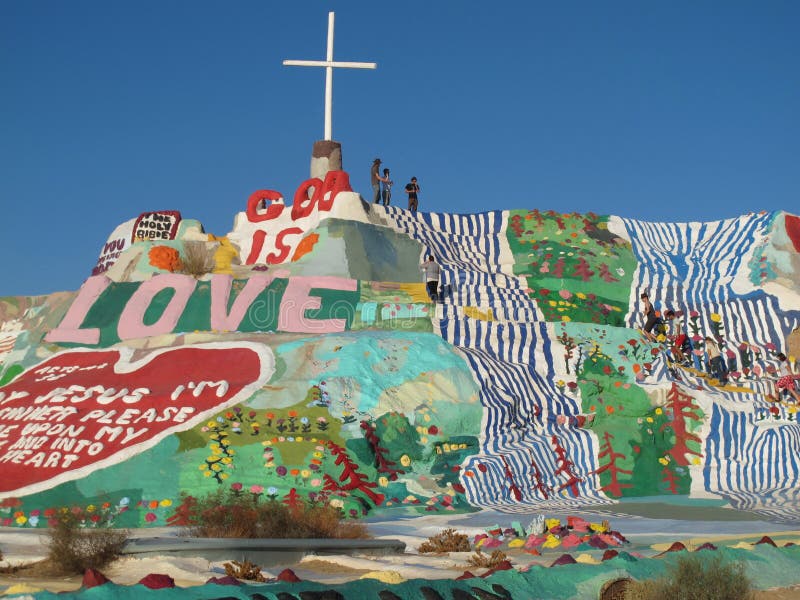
(82, 410)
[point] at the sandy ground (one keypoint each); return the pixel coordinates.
(647, 535)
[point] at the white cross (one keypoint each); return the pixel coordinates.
(329, 64)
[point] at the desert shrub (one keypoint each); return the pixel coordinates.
(197, 259)
(481, 560)
(72, 549)
(448, 540)
(245, 570)
(695, 577)
(226, 514)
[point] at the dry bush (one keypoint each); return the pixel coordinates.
(197, 258)
(693, 578)
(448, 540)
(245, 570)
(224, 514)
(72, 549)
(482, 561)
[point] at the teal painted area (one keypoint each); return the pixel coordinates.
(413, 389)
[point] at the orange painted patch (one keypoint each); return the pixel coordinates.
(609, 409)
(305, 246)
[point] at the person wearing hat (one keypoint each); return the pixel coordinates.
(375, 180)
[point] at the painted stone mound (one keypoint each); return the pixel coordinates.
(299, 356)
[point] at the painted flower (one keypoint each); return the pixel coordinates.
(150, 517)
(166, 502)
(405, 460)
(236, 487)
(256, 489)
(715, 317)
(272, 490)
(281, 470)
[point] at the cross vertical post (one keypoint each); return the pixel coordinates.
(329, 65)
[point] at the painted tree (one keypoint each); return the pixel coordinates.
(538, 481)
(351, 479)
(605, 274)
(569, 345)
(607, 451)
(582, 270)
(668, 477)
(565, 466)
(510, 478)
(398, 436)
(558, 267)
(382, 462)
(294, 501)
(185, 514)
(683, 409)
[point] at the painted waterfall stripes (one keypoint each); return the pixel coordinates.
(511, 360)
(693, 266)
(747, 462)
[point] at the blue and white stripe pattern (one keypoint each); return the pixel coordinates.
(694, 266)
(512, 362)
(754, 463)
(748, 451)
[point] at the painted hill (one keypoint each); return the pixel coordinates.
(300, 354)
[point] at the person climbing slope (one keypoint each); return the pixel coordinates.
(650, 318)
(786, 379)
(431, 271)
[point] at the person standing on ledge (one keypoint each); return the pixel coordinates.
(431, 270)
(387, 188)
(375, 179)
(412, 189)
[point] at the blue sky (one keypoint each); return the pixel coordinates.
(661, 111)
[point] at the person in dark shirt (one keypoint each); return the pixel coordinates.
(412, 189)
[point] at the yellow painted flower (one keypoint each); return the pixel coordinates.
(383, 481)
(216, 467)
(226, 460)
(91, 508)
(21, 520)
(207, 473)
(223, 476)
(405, 460)
(663, 461)
(715, 317)
(659, 411)
(166, 502)
(426, 417)
(581, 295)
(423, 439)
(317, 454)
(305, 473)
(649, 419)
